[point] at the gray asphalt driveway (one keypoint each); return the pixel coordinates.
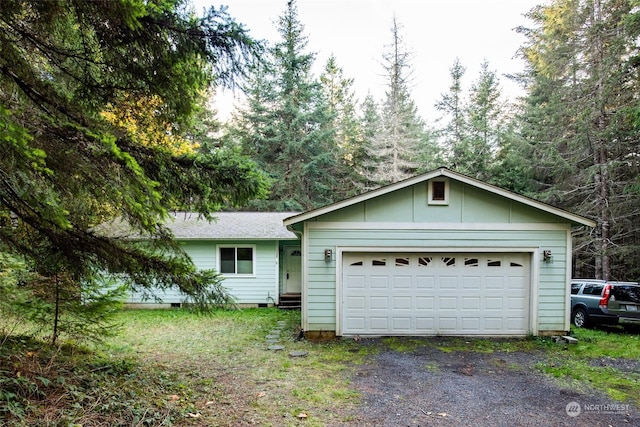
(427, 386)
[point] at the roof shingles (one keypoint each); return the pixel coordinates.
(231, 225)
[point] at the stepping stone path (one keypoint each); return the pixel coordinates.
(276, 347)
(273, 338)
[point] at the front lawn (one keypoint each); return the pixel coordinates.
(175, 367)
(607, 359)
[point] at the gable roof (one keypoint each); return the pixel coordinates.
(231, 225)
(441, 172)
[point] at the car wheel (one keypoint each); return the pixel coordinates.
(579, 318)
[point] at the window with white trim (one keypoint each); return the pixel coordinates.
(438, 191)
(236, 260)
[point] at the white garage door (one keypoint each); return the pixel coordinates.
(435, 293)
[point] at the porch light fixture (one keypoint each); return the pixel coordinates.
(546, 256)
(327, 255)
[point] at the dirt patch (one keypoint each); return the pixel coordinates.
(428, 386)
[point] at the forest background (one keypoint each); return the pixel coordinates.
(571, 139)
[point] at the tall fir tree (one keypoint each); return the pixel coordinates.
(370, 122)
(397, 151)
(348, 133)
(284, 125)
(580, 122)
(484, 125)
(452, 106)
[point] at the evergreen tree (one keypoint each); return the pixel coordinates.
(452, 105)
(370, 122)
(284, 124)
(395, 150)
(580, 123)
(484, 118)
(349, 139)
(68, 165)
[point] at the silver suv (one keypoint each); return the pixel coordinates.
(604, 302)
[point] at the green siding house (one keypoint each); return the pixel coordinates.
(437, 254)
(257, 256)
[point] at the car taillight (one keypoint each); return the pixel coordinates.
(605, 296)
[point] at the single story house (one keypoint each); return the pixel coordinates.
(437, 254)
(259, 259)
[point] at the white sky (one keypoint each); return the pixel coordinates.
(436, 31)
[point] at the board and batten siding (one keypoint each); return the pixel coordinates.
(260, 288)
(547, 279)
(473, 220)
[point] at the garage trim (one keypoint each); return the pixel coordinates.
(534, 252)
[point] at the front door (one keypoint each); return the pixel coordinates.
(292, 270)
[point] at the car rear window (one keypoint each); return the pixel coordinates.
(630, 293)
(592, 289)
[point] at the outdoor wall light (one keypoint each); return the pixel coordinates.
(327, 255)
(546, 256)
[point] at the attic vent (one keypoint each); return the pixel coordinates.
(438, 191)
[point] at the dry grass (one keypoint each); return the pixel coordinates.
(227, 375)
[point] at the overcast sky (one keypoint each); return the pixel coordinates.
(436, 31)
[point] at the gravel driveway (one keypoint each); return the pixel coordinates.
(427, 386)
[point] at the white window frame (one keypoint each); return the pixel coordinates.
(236, 247)
(430, 192)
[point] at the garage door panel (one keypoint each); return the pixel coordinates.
(425, 302)
(425, 325)
(493, 303)
(379, 324)
(379, 282)
(425, 282)
(401, 282)
(471, 303)
(517, 282)
(470, 324)
(355, 323)
(355, 282)
(493, 324)
(516, 303)
(401, 303)
(447, 303)
(471, 282)
(448, 282)
(408, 293)
(516, 323)
(494, 282)
(402, 324)
(379, 303)
(355, 303)
(447, 324)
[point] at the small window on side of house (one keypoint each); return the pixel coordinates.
(438, 192)
(236, 260)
